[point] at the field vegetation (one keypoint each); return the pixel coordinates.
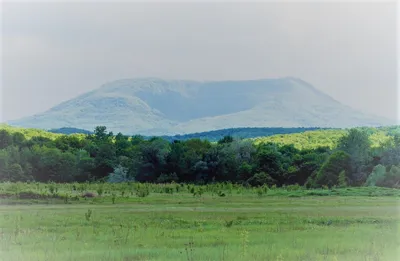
(133, 221)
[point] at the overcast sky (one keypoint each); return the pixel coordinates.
(52, 52)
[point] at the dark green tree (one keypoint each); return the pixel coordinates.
(153, 155)
(270, 160)
(6, 139)
(122, 145)
(18, 139)
(358, 146)
(329, 173)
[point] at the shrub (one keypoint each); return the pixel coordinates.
(66, 199)
(260, 192)
(260, 179)
(169, 190)
(113, 198)
(228, 223)
(88, 215)
(142, 191)
(198, 192)
(100, 190)
(52, 188)
(177, 187)
(294, 187)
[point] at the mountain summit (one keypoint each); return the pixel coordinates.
(153, 106)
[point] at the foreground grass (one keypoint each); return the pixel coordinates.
(278, 225)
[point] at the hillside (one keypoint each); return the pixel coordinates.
(151, 106)
(301, 138)
(239, 133)
(30, 132)
(70, 131)
(328, 138)
(242, 133)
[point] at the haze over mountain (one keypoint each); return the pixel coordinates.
(153, 106)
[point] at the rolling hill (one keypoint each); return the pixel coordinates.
(215, 135)
(152, 106)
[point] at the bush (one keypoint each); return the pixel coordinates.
(168, 190)
(260, 192)
(100, 190)
(260, 179)
(294, 187)
(142, 191)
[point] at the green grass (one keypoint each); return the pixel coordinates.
(280, 224)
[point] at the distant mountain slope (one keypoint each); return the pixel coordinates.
(151, 106)
(242, 133)
(70, 131)
(301, 138)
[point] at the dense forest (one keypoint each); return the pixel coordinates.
(354, 157)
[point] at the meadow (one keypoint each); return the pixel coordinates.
(132, 221)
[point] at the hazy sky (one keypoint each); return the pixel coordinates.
(52, 52)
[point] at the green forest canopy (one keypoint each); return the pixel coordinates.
(334, 157)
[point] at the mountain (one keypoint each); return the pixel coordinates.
(152, 106)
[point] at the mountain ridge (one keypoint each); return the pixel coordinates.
(154, 106)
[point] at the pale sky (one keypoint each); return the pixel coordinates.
(52, 52)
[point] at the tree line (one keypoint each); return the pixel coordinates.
(214, 135)
(105, 157)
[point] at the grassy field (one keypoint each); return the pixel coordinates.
(223, 223)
